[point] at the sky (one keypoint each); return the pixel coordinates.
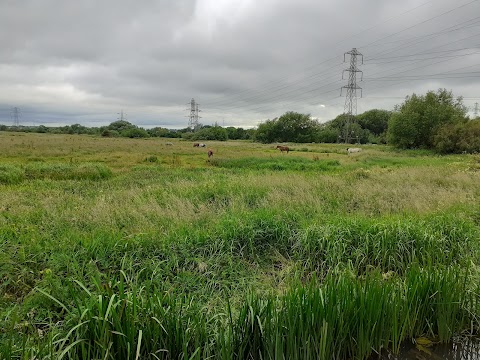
(243, 61)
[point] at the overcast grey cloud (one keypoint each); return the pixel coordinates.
(65, 62)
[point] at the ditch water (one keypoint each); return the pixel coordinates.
(464, 349)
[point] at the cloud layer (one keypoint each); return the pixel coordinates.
(244, 61)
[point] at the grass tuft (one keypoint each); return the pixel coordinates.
(11, 174)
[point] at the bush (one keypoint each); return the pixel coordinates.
(417, 120)
(375, 121)
(290, 127)
(210, 133)
(135, 133)
(151, 158)
(458, 138)
(327, 135)
(110, 133)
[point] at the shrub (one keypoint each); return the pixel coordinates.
(210, 133)
(458, 138)
(151, 159)
(291, 126)
(135, 133)
(110, 133)
(420, 116)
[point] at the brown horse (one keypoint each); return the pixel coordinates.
(196, 144)
(210, 153)
(283, 148)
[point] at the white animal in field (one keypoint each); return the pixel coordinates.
(169, 144)
(353, 150)
(202, 145)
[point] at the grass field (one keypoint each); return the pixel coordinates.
(133, 249)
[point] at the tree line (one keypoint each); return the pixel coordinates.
(436, 120)
(123, 128)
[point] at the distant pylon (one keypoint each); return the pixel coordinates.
(16, 116)
(350, 109)
(122, 116)
(196, 115)
(475, 110)
(193, 116)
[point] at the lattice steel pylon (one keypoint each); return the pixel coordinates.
(122, 117)
(475, 110)
(193, 116)
(350, 109)
(197, 116)
(16, 116)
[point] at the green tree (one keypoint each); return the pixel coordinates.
(416, 121)
(267, 132)
(458, 138)
(109, 133)
(210, 133)
(297, 127)
(120, 126)
(338, 126)
(338, 123)
(291, 126)
(327, 134)
(159, 132)
(236, 133)
(135, 133)
(42, 129)
(375, 121)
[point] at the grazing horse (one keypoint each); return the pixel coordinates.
(196, 144)
(283, 148)
(210, 153)
(202, 145)
(169, 144)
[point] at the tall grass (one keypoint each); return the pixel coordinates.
(253, 254)
(344, 317)
(14, 174)
(276, 164)
(61, 171)
(10, 174)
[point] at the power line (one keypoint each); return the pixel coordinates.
(403, 97)
(215, 100)
(441, 32)
(419, 39)
(426, 75)
(430, 58)
(254, 93)
(422, 22)
(225, 102)
(328, 102)
(433, 52)
(335, 82)
(461, 68)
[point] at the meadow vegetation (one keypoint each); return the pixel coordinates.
(119, 248)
